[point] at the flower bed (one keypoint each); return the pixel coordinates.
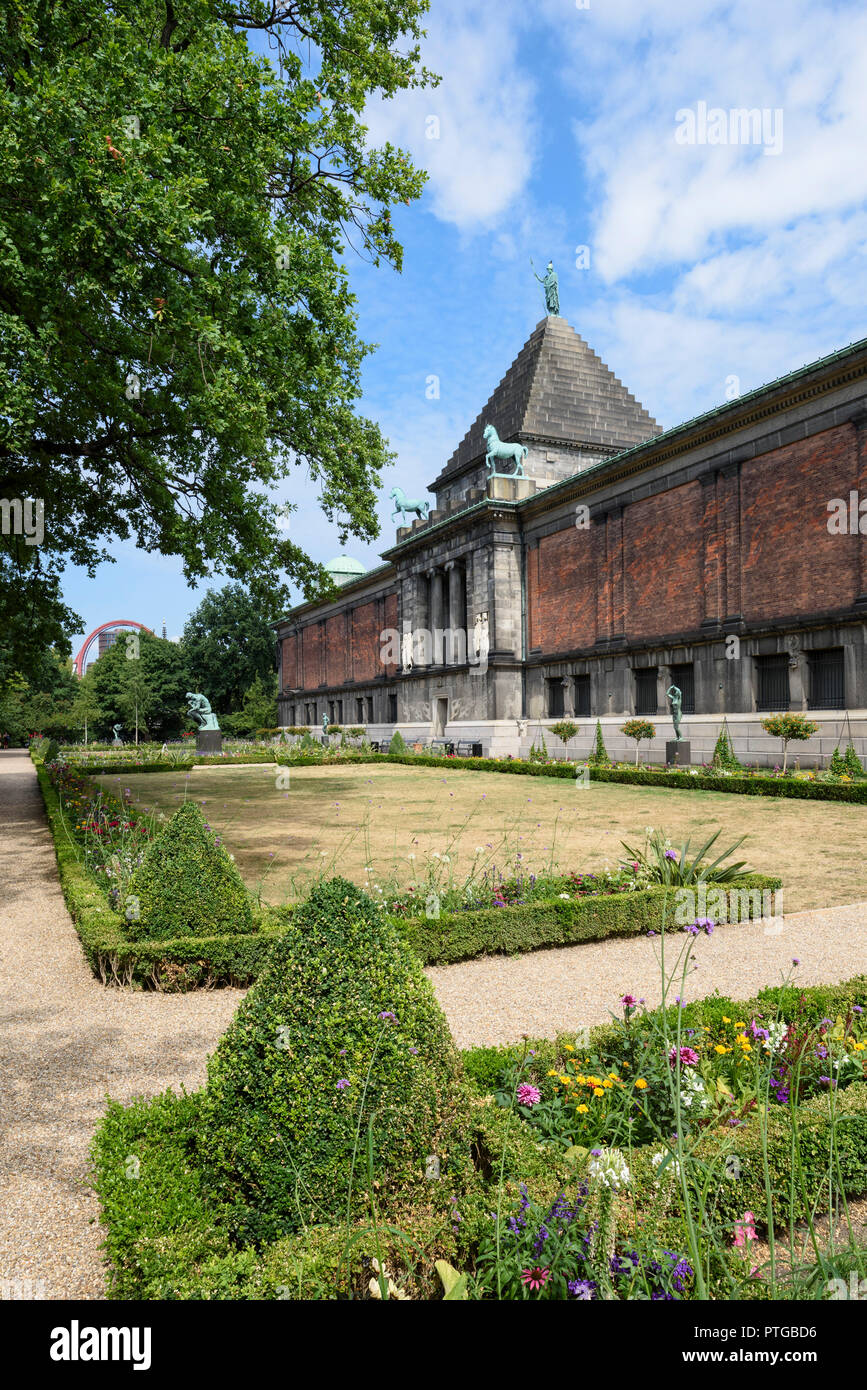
(498, 1201)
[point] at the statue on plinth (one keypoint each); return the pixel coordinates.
(201, 713)
(405, 506)
(551, 286)
(676, 697)
(498, 449)
(118, 741)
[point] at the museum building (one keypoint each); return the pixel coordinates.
(726, 556)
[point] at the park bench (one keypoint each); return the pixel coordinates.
(468, 749)
(444, 744)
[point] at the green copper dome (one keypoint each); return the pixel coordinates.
(343, 568)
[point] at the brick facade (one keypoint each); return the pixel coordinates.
(705, 549)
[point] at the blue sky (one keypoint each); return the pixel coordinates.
(712, 267)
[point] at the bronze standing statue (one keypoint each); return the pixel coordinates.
(551, 287)
(676, 697)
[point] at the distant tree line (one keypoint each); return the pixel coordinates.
(227, 652)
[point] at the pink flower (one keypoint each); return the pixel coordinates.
(528, 1095)
(688, 1058)
(535, 1278)
(745, 1230)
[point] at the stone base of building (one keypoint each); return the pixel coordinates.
(503, 738)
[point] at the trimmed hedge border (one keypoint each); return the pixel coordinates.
(182, 963)
(191, 962)
(855, 792)
(457, 936)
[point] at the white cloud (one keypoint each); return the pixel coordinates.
(483, 157)
(634, 65)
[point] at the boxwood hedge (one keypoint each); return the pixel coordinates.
(342, 1032)
(186, 884)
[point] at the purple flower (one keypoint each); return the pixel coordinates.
(581, 1288)
(386, 1015)
(670, 854)
(528, 1095)
(342, 1084)
(796, 960)
(628, 1000)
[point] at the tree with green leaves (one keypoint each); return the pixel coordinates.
(638, 729)
(258, 709)
(140, 682)
(178, 182)
(228, 643)
(791, 728)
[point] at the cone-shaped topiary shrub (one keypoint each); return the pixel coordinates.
(341, 1029)
(186, 884)
(398, 744)
(599, 757)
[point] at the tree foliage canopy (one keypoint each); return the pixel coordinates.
(228, 642)
(176, 328)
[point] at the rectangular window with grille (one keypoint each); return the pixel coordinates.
(684, 678)
(582, 697)
(827, 689)
(773, 681)
(555, 697)
(645, 690)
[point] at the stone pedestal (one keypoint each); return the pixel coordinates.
(209, 741)
(677, 752)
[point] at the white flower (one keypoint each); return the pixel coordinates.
(564, 895)
(410, 856)
(434, 855)
(480, 849)
(608, 1167)
(673, 1166)
(446, 859)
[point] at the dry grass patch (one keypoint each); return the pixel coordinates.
(345, 818)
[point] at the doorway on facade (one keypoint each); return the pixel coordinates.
(440, 715)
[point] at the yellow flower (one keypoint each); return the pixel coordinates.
(567, 1047)
(613, 1076)
(552, 1072)
(740, 1025)
(567, 1080)
(720, 1049)
(726, 1020)
(859, 1046)
(582, 1109)
(598, 1091)
(641, 1084)
(608, 1084)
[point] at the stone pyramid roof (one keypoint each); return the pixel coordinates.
(557, 388)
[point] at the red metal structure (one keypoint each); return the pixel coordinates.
(79, 662)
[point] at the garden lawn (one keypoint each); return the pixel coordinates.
(343, 819)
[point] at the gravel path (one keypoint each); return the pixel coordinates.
(496, 999)
(65, 1043)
